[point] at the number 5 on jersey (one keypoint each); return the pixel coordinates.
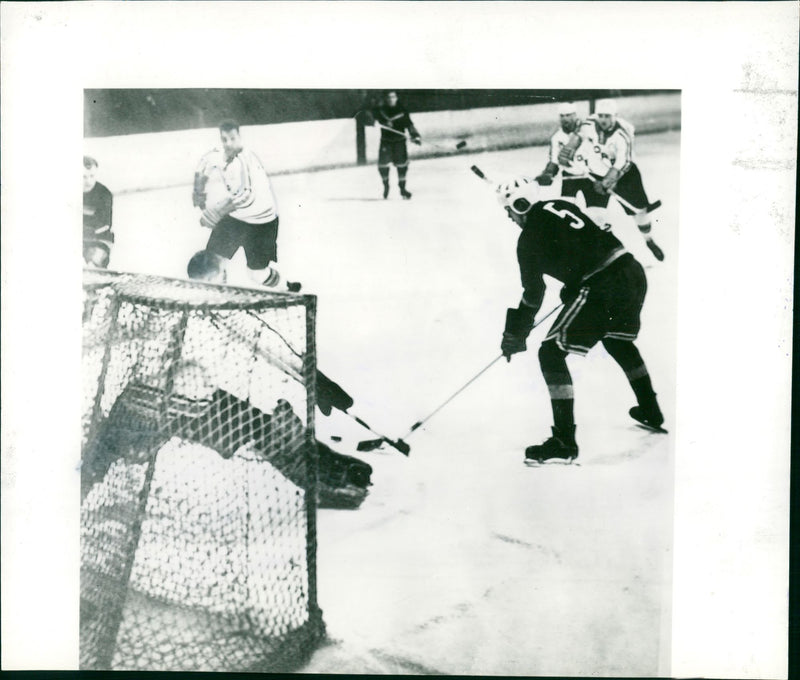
(565, 214)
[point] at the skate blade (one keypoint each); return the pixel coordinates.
(529, 462)
(652, 428)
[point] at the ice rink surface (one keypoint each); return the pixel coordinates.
(462, 560)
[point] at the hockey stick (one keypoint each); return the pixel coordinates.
(375, 443)
(480, 174)
(372, 444)
(650, 207)
(458, 146)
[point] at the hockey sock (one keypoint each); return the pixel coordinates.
(384, 170)
(642, 220)
(401, 176)
(269, 277)
(553, 362)
(625, 353)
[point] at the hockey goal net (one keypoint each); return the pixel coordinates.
(198, 477)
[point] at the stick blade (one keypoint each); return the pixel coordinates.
(369, 444)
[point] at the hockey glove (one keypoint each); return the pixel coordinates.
(417, 140)
(567, 294)
(519, 323)
(565, 155)
(544, 180)
(607, 184)
(213, 214)
(330, 395)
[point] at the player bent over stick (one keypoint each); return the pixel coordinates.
(603, 143)
(246, 214)
(603, 293)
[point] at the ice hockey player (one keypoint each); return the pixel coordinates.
(98, 202)
(393, 119)
(575, 178)
(605, 143)
(243, 213)
(603, 293)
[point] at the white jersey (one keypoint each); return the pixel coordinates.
(602, 150)
(577, 167)
(244, 181)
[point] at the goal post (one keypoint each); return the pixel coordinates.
(198, 477)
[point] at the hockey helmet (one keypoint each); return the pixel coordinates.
(606, 106)
(519, 194)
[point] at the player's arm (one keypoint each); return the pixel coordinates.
(519, 321)
(567, 152)
(547, 175)
(412, 131)
(199, 185)
(242, 195)
(622, 144)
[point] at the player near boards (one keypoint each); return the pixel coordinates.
(603, 143)
(234, 193)
(603, 293)
(394, 121)
(98, 203)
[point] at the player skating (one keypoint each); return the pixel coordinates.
(98, 202)
(394, 121)
(241, 210)
(575, 178)
(604, 142)
(603, 293)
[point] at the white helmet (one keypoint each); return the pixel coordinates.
(606, 106)
(565, 108)
(519, 194)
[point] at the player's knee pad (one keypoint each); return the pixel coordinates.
(552, 358)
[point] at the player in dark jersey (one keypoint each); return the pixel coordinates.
(393, 120)
(603, 293)
(97, 212)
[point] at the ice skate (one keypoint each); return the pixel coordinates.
(554, 449)
(657, 252)
(405, 193)
(649, 417)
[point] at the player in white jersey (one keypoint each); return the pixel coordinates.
(604, 142)
(235, 195)
(575, 178)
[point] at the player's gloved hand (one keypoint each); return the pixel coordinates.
(417, 140)
(519, 323)
(565, 155)
(544, 180)
(330, 395)
(607, 184)
(512, 344)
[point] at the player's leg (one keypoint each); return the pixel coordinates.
(576, 330)
(625, 290)
(596, 203)
(260, 244)
(384, 161)
(631, 189)
(400, 158)
(223, 242)
(96, 254)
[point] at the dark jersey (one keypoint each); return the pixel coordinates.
(97, 207)
(396, 118)
(560, 240)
